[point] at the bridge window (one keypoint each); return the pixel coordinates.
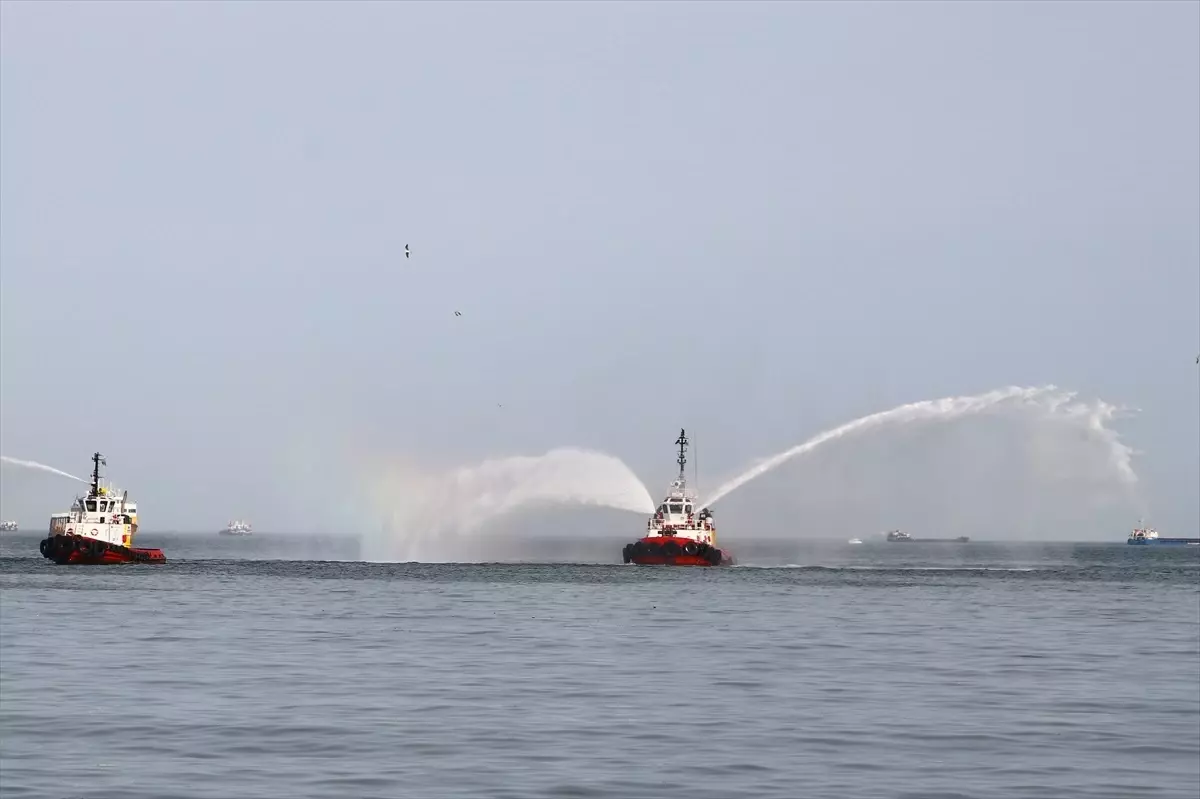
(91, 506)
(677, 509)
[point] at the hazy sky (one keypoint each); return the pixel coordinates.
(753, 220)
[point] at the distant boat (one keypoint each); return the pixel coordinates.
(896, 535)
(237, 527)
(8, 526)
(1142, 536)
(854, 541)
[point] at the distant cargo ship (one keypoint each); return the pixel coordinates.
(1143, 535)
(897, 535)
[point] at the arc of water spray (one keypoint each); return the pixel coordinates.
(40, 466)
(427, 513)
(1049, 399)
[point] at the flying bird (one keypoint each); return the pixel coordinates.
(458, 313)
(405, 250)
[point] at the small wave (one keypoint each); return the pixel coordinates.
(775, 566)
(886, 568)
(942, 568)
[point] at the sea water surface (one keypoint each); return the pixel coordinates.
(239, 670)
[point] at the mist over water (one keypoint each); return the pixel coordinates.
(1031, 462)
(437, 517)
(1023, 462)
(1046, 402)
(1040, 467)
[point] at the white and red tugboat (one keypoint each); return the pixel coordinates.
(680, 533)
(99, 528)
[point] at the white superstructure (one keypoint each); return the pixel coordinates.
(237, 527)
(101, 514)
(680, 514)
(1143, 533)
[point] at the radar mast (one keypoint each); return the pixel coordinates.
(682, 443)
(97, 459)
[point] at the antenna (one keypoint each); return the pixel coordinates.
(97, 459)
(682, 441)
(695, 470)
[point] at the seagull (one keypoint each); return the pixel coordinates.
(458, 313)
(405, 250)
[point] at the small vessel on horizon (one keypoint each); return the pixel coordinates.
(8, 526)
(237, 527)
(854, 541)
(1142, 536)
(897, 535)
(99, 528)
(680, 532)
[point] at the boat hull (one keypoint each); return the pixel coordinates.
(671, 551)
(77, 550)
(962, 539)
(1141, 542)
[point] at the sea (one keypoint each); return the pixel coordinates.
(281, 665)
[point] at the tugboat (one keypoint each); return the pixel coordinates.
(237, 527)
(679, 533)
(1143, 536)
(99, 528)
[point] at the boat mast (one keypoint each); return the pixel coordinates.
(682, 442)
(97, 459)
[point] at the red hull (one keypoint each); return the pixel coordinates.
(76, 550)
(672, 551)
(667, 560)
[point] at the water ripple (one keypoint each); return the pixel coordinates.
(218, 678)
